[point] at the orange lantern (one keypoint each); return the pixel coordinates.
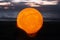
(30, 20)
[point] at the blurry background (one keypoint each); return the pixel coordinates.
(9, 10)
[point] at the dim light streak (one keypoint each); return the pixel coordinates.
(4, 3)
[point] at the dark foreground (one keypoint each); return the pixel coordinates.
(9, 31)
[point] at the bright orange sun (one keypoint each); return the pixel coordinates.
(30, 20)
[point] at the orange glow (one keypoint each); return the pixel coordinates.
(30, 20)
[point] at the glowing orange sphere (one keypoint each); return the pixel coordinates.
(30, 20)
